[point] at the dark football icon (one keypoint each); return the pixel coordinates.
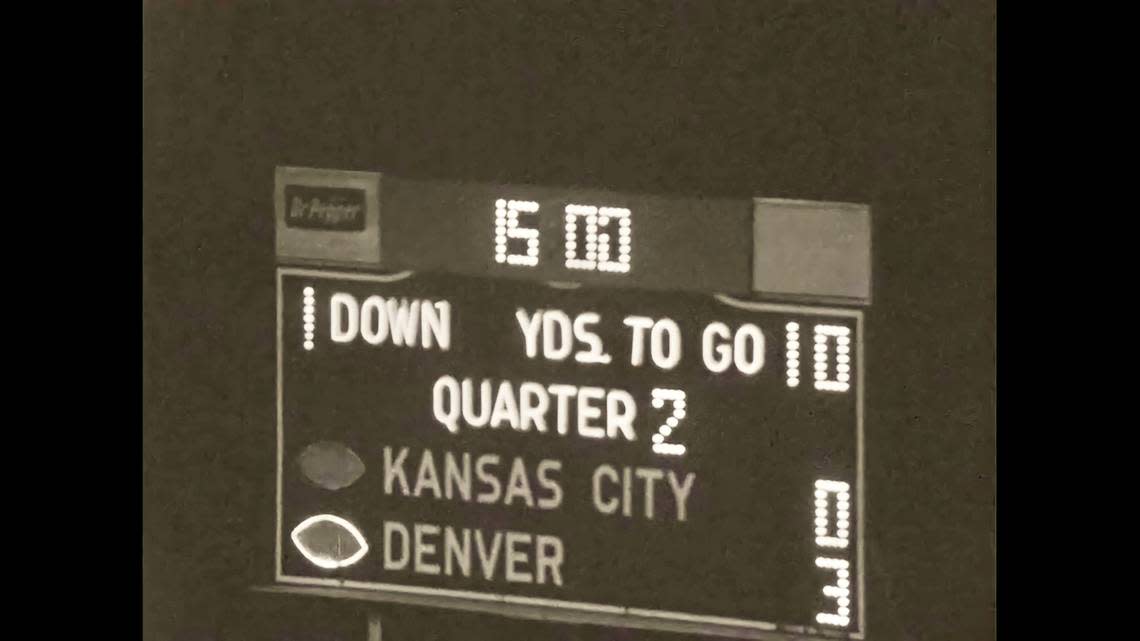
(329, 541)
(330, 465)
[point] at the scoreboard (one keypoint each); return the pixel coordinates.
(562, 428)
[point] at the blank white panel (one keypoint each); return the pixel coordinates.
(812, 249)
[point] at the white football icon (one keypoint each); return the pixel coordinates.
(329, 541)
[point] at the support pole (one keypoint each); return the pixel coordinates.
(374, 632)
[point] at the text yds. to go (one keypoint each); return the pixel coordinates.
(554, 335)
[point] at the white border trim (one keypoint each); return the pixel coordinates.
(788, 308)
(278, 559)
(859, 470)
(281, 577)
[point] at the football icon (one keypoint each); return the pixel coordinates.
(330, 465)
(329, 542)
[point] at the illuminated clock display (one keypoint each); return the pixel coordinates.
(569, 235)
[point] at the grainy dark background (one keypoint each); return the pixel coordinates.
(891, 104)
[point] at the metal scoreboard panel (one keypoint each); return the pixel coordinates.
(486, 461)
(790, 249)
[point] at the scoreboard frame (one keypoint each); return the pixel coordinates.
(558, 610)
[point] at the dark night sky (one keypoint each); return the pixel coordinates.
(891, 104)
